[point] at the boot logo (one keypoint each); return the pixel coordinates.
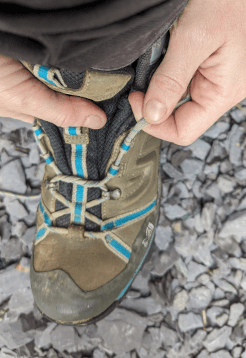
(149, 232)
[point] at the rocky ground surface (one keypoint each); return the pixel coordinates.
(188, 300)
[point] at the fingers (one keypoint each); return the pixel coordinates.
(171, 79)
(22, 93)
(190, 120)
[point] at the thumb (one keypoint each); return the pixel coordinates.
(64, 110)
(170, 81)
(25, 97)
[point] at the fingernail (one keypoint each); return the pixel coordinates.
(94, 122)
(155, 110)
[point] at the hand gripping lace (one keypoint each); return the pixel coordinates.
(113, 170)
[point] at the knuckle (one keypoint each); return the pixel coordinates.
(62, 120)
(184, 141)
(168, 83)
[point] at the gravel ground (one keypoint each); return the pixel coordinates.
(187, 301)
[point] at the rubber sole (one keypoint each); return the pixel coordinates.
(113, 305)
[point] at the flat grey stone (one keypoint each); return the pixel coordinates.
(200, 298)
(226, 286)
(226, 184)
(146, 306)
(165, 261)
(13, 336)
(5, 228)
(172, 172)
(235, 227)
(242, 205)
(29, 235)
(219, 294)
(11, 249)
(182, 190)
(189, 321)
(197, 189)
(229, 245)
(180, 301)
(169, 336)
(34, 157)
(12, 177)
(204, 354)
(97, 353)
(221, 354)
(140, 283)
(199, 148)
(21, 301)
(236, 311)
(238, 115)
(202, 252)
(222, 319)
(19, 229)
(35, 174)
(207, 216)
(63, 338)
(240, 174)
(225, 166)
(32, 205)
(52, 354)
(205, 280)
(5, 157)
(214, 315)
(7, 353)
(12, 280)
(156, 349)
(216, 129)
(195, 270)
(191, 167)
(121, 323)
(235, 151)
(214, 192)
(163, 236)
(30, 219)
(212, 170)
(197, 339)
(181, 267)
(217, 339)
(217, 152)
(236, 352)
(155, 338)
(235, 278)
(185, 243)
(174, 212)
(43, 337)
(221, 303)
(238, 263)
(123, 355)
(243, 283)
(179, 156)
(15, 209)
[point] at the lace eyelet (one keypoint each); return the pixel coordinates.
(115, 194)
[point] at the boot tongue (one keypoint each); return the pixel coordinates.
(85, 152)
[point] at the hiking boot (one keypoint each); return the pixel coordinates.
(100, 196)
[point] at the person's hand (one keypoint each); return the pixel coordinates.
(207, 47)
(22, 96)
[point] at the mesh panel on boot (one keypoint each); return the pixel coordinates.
(72, 79)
